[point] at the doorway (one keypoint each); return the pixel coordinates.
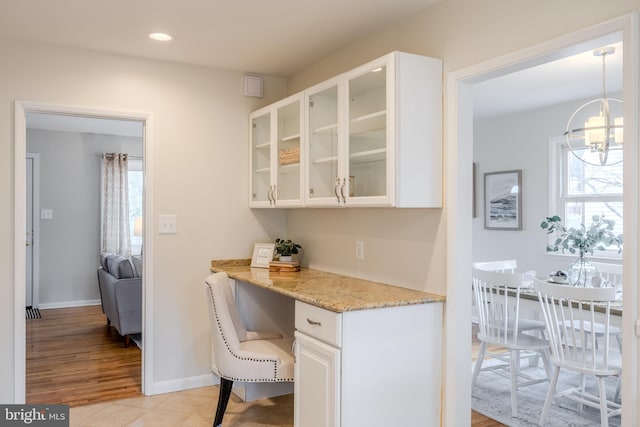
(459, 201)
(22, 109)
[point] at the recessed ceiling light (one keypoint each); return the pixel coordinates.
(161, 37)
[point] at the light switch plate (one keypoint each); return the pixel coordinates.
(46, 213)
(167, 224)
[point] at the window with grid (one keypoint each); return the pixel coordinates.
(583, 190)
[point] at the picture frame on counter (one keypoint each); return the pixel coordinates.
(262, 254)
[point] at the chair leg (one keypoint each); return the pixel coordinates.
(223, 400)
(476, 369)
(514, 361)
(550, 393)
(127, 341)
(604, 409)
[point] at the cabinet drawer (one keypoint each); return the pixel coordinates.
(319, 323)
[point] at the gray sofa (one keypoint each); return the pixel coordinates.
(121, 294)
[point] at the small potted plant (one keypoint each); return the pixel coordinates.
(286, 249)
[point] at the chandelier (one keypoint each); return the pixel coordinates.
(594, 130)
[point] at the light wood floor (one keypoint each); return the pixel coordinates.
(73, 357)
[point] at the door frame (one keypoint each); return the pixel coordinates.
(35, 245)
(19, 222)
(458, 198)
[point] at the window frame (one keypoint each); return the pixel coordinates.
(559, 153)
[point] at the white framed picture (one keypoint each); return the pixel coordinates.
(262, 254)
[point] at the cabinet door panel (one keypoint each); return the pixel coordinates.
(288, 161)
(317, 383)
(260, 158)
(323, 137)
(368, 139)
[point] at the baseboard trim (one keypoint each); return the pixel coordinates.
(69, 304)
(181, 384)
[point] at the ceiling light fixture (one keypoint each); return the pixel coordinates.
(602, 128)
(161, 37)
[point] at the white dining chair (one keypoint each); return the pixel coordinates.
(497, 297)
(503, 266)
(238, 354)
(568, 313)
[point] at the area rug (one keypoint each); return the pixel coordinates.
(33, 313)
(492, 397)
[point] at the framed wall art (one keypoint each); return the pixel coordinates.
(503, 200)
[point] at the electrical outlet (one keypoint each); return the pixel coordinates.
(167, 224)
(360, 250)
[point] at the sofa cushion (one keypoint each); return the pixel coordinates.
(120, 267)
(103, 260)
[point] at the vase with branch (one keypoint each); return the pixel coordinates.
(582, 241)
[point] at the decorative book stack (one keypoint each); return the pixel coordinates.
(284, 266)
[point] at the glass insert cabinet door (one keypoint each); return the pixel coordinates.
(276, 153)
(367, 132)
(323, 167)
(288, 178)
(261, 187)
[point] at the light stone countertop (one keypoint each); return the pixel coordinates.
(330, 291)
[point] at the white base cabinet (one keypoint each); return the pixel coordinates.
(378, 367)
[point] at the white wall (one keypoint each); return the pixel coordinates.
(200, 174)
(70, 186)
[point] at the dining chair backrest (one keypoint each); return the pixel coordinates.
(504, 266)
(569, 313)
(612, 273)
(497, 296)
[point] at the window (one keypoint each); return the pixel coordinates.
(580, 190)
(135, 181)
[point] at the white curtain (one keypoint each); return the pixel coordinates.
(115, 205)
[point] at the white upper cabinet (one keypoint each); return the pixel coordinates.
(371, 137)
(277, 154)
(375, 135)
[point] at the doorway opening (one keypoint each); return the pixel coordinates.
(460, 190)
(72, 166)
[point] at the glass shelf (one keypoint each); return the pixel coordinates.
(263, 146)
(263, 170)
(293, 167)
(379, 154)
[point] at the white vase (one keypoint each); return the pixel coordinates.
(286, 258)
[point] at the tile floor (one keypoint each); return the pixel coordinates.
(190, 408)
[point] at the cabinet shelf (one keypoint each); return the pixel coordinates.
(369, 156)
(368, 122)
(263, 146)
(326, 160)
(292, 167)
(290, 138)
(263, 170)
(325, 129)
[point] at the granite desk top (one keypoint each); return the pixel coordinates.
(330, 291)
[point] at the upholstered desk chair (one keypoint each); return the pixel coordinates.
(569, 312)
(238, 354)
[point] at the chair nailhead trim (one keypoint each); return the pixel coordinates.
(224, 338)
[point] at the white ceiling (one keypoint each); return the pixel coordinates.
(277, 37)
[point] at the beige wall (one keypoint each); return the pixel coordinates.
(200, 171)
(407, 247)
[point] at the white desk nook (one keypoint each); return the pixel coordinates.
(367, 353)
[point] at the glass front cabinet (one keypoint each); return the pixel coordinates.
(277, 154)
(371, 137)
